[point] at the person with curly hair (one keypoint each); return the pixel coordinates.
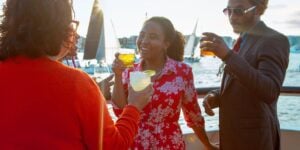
(161, 48)
(45, 104)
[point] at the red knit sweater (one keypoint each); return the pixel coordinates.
(46, 105)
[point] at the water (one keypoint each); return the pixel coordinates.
(288, 106)
(205, 71)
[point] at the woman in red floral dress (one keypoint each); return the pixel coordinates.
(161, 48)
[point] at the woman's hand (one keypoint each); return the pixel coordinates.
(118, 67)
(141, 98)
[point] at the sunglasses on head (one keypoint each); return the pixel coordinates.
(237, 11)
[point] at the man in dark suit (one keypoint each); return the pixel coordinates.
(253, 75)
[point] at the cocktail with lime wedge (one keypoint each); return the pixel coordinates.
(140, 80)
(150, 72)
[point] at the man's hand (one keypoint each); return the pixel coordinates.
(208, 100)
(215, 44)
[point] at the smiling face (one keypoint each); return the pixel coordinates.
(151, 41)
(242, 23)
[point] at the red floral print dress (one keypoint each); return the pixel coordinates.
(174, 91)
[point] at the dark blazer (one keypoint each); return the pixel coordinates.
(249, 92)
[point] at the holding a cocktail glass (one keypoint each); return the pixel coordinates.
(161, 49)
(212, 44)
(204, 51)
(44, 103)
(139, 80)
(127, 57)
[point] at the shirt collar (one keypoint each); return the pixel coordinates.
(244, 34)
(170, 66)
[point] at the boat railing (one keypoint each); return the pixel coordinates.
(285, 91)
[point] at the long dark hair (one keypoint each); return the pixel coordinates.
(176, 39)
(34, 28)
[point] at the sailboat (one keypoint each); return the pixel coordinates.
(101, 40)
(95, 39)
(190, 49)
(95, 53)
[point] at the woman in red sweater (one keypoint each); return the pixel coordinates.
(45, 104)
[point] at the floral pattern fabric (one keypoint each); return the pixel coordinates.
(174, 91)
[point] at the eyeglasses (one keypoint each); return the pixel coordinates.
(72, 41)
(73, 36)
(237, 11)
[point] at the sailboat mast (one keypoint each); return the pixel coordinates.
(115, 35)
(194, 35)
(95, 41)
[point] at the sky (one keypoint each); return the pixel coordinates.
(127, 16)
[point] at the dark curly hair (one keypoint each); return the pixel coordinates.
(176, 48)
(34, 28)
